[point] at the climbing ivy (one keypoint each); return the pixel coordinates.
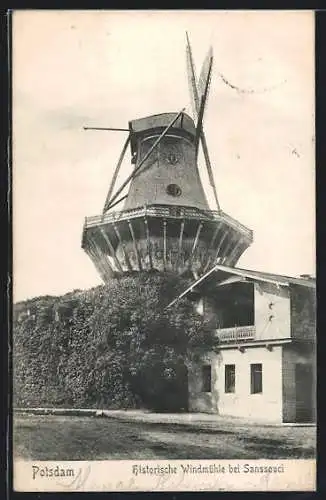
(113, 346)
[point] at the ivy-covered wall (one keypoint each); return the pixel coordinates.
(113, 346)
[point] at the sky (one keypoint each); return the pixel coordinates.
(103, 68)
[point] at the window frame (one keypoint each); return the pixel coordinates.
(229, 372)
(174, 190)
(206, 382)
(256, 385)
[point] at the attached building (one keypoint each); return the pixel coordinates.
(264, 367)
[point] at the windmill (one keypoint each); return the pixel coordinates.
(165, 223)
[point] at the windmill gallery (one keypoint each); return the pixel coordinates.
(265, 322)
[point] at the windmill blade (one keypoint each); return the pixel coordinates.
(197, 91)
(205, 74)
(209, 167)
(149, 152)
(192, 81)
(203, 87)
(199, 127)
(115, 175)
(203, 90)
(199, 94)
(204, 83)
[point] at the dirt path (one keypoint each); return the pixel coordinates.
(54, 437)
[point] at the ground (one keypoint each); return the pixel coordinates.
(58, 437)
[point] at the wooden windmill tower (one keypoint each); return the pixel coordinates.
(165, 223)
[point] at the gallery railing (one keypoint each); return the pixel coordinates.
(170, 212)
(236, 333)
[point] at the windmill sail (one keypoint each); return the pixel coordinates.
(203, 89)
(199, 94)
(115, 175)
(205, 74)
(192, 81)
(205, 80)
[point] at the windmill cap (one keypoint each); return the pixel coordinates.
(158, 123)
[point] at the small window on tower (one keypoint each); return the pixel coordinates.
(173, 190)
(207, 378)
(172, 158)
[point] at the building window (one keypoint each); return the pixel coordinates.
(199, 307)
(207, 378)
(229, 378)
(256, 378)
(173, 190)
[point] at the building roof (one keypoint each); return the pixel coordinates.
(263, 276)
(159, 122)
(220, 273)
(162, 120)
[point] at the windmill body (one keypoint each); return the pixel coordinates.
(170, 175)
(165, 223)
